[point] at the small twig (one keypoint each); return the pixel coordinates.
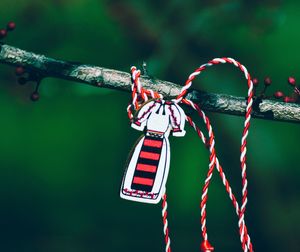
(145, 70)
(113, 79)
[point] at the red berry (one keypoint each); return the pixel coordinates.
(267, 81)
(255, 82)
(3, 33)
(289, 99)
(292, 81)
(35, 96)
(278, 94)
(19, 70)
(11, 26)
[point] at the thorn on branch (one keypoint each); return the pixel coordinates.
(145, 70)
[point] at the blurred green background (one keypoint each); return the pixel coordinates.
(62, 158)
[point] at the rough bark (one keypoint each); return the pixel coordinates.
(113, 79)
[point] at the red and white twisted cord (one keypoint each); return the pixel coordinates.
(188, 84)
(137, 89)
(165, 222)
(219, 168)
(138, 92)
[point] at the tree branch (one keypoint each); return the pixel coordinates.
(113, 79)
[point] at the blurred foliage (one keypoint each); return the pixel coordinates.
(62, 158)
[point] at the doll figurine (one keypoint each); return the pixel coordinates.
(147, 171)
